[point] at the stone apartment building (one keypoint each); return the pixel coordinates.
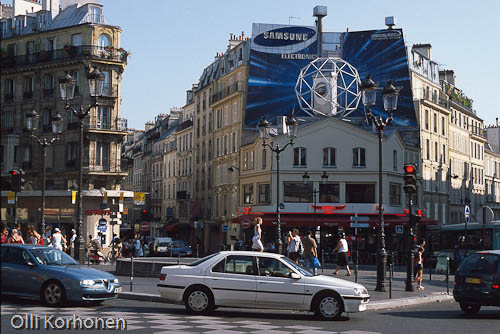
(41, 42)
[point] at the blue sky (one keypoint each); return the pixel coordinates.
(172, 41)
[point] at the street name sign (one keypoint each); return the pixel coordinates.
(360, 225)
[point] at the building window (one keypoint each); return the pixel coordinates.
(435, 123)
(358, 157)
(28, 87)
(299, 156)
(252, 159)
(248, 193)
(264, 159)
(395, 194)
(297, 192)
(428, 149)
(436, 151)
(442, 126)
(245, 161)
(9, 90)
(427, 119)
(235, 112)
(264, 193)
(360, 193)
(329, 193)
(395, 160)
(329, 156)
(233, 142)
(102, 117)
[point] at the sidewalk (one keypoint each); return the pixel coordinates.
(144, 288)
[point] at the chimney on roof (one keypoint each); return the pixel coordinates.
(447, 76)
(424, 49)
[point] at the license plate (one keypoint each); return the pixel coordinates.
(473, 280)
(117, 290)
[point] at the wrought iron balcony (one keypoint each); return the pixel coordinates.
(106, 124)
(69, 52)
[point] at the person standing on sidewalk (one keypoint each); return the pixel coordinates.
(294, 245)
(342, 258)
(420, 268)
(310, 251)
(257, 244)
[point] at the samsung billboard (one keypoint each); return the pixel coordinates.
(279, 52)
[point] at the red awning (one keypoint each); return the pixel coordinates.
(324, 220)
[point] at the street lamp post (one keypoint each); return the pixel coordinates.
(315, 192)
(264, 131)
(67, 86)
(32, 120)
(390, 95)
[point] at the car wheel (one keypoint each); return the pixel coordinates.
(470, 308)
(53, 294)
(199, 300)
(328, 306)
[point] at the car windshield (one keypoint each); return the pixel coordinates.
(197, 262)
(52, 256)
(179, 244)
(296, 266)
(163, 244)
(483, 263)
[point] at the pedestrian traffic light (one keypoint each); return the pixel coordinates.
(22, 180)
(410, 179)
(15, 180)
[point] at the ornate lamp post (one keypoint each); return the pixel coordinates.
(390, 95)
(32, 120)
(67, 86)
(264, 131)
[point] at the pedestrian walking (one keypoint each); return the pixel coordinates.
(342, 257)
(138, 247)
(310, 251)
(57, 239)
(257, 244)
(420, 268)
(294, 245)
(33, 236)
(4, 234)
(15, 238)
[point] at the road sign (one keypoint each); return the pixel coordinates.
(144, 226)
(399, 229)
(360, 225)
(225, 228)
(360, 219)
(103, 222)
(102, 228)
(467, 211)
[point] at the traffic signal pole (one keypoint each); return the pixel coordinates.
(411, 253)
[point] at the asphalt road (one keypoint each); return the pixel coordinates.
(147, 317)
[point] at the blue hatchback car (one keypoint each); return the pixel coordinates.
(53, 276)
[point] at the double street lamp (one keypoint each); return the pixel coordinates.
(32, 121)
(264, 131)
(390, 95)
(67, 86)
(315, 192)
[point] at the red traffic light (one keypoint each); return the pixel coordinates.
(144, 211)
(13, 172)
(410, 169)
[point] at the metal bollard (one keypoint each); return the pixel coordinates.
(447, 275)
(391, 272)
(323, 261)
(356, 267)
(430, 273)
(197, 250)
(131, 272)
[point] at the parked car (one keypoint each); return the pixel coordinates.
(179, 248)
(477, 281)
(263, 280)
(53, 276)
(162, 246)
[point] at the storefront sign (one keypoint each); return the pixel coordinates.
(100, 212)
(11, 197)
(138, 198)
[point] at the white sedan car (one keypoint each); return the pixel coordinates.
(258, 280)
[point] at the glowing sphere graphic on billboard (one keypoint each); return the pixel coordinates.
(328, 87)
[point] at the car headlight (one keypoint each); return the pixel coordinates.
(116, 281)
(87, 282)
(360, 291)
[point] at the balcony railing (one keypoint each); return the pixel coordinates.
(236, 87)
(116, 124)
(69, 52)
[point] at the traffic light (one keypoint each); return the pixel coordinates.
(17, 180)
(145, 214)
(410, 178)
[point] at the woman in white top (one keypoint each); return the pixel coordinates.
(342, 258)
(57, 239)
(257, 237)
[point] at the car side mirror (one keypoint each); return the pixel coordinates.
(294, 276)
(30, 264)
